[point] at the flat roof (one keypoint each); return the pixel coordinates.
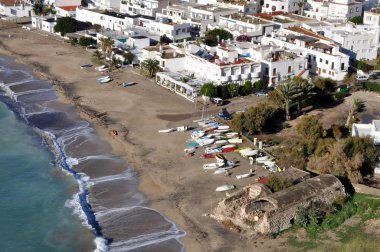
(322, 46)
(246, 18)
(213, 8)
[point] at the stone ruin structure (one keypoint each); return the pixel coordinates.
(256, 210)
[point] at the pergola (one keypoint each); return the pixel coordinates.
(174, 81)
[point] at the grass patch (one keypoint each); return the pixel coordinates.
(372, 86)
(365, 207)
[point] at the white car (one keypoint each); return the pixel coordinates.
(362, 77)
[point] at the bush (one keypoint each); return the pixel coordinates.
(357, 20)
(260, 85)
(372, 86)
(277, 183)
(211, 36)
(339, 96)
(209, 89)
(65, 25)
(310, 128)
(73, 41)
(247, 88)
(362, 65)
(86, 41)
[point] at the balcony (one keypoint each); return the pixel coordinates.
(225, 78)
(235, 77)
(245, 76)
(255, 75)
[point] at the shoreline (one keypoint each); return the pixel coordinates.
(175, 186)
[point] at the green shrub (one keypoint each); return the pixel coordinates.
(372, 86)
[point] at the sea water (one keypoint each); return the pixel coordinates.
(33, 194)
(87, 178)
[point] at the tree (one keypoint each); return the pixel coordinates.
(73, 41)
(237, 123)
(357, 20)
(247, 88)
(277, 183)
(65, 25)
(291, 153)
(309, 128)
(325, 84)
(260, 85)
(106, 44)
(233, 89)
(300, 5)
(214, 36)
(97, 55)
(362, 65)
(304, 91)
(128, 56)
(286, 92)
(149, 67)
(256, 118)
(209, 89)
(365, 147)
(86, 41)
(164, 39)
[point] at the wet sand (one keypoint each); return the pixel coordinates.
(174, 185)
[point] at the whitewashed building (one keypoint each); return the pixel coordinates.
(322, 10)
(246, 7)
(66, 11)
(324, 57)
(361, 42)
(44, 23)
(106, 19)
(165, 26)
(371, 130)
(143, 7)
(372, 17)
(14, 8)
(107, 4)
(271, 6)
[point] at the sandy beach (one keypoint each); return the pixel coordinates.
(175, 185)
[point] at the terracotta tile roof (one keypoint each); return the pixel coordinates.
(8, 2)
(67, 8)
(307, 32)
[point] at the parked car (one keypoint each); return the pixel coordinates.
(225, 114)
(218, 101)
(262, 94)
(362, 77)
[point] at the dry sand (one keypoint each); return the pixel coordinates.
(175, 185)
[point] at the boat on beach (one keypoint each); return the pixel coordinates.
(212, 150)
(205, 142)
(192, 144)
(104, 79)
(220, 158)
(166, 130)
(224, 188)
(246, 175)
(206, 156)
(128, 84)
(235, 140)
(85, 66)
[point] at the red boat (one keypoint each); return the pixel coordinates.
(205, 156)
(230, 149)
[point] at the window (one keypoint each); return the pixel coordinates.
(267, 5)
(342, 66)
(282, 7)
(300, 66)
(314, 58)
(274, 71)
(323, 70)
(332, 65)
(320, 60)
(357, 9)
(351, 10)
(289, 69)
(327, 62)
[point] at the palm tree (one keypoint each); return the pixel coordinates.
(286, 92)
(300, 5)
(149, 67)
(106, 45)
(303, 91)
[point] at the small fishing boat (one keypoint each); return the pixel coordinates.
(220, 158)
(232, 134)
(205, 142)
(223, 169)
(243, 176)
(212, 150)
(224, 188)
(190, 149)
(128, 84)
(166, 130)
(212, 166)
(104, 79)
(223, 127)
(235, 140)
(229, 146)
(192, 144)
(229, 149)
(85, 66)
(221, 142)
(100, 67)
(197, 134)
(249, 153)
(221, 130)
(207, 156)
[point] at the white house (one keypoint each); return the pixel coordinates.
(247, 25)
(106, 19)
(143, 7)
(14, 8)
(291, 6)
(372, 17)
(323, 55)
(44, 23)
(66, 11)
(246, 7)
(358, 41)
(367, 130)
(107, 4)
(322, 10)
(170, 59)
(165, 26)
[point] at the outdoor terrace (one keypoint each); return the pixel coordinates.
(247, 19)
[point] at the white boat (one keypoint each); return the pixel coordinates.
(166, 130)
(223, 127)
(212, 166)
(204, 142)
(223, 169)
(190, 149)
(221, 130)
(221, 142)
(246, 175)
(249, 153)
(104, 79)
(220, 158)
(197, 134)
(262, 159)
(224, 188)
(232, 134)
(245, 149)
(128, 84)
(212, 150)
(100, 67)
(228, 146)
(235, 140)
(182, 128)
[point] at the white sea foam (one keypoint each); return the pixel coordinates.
(74, 204)
(125, 175)
(101, 245)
